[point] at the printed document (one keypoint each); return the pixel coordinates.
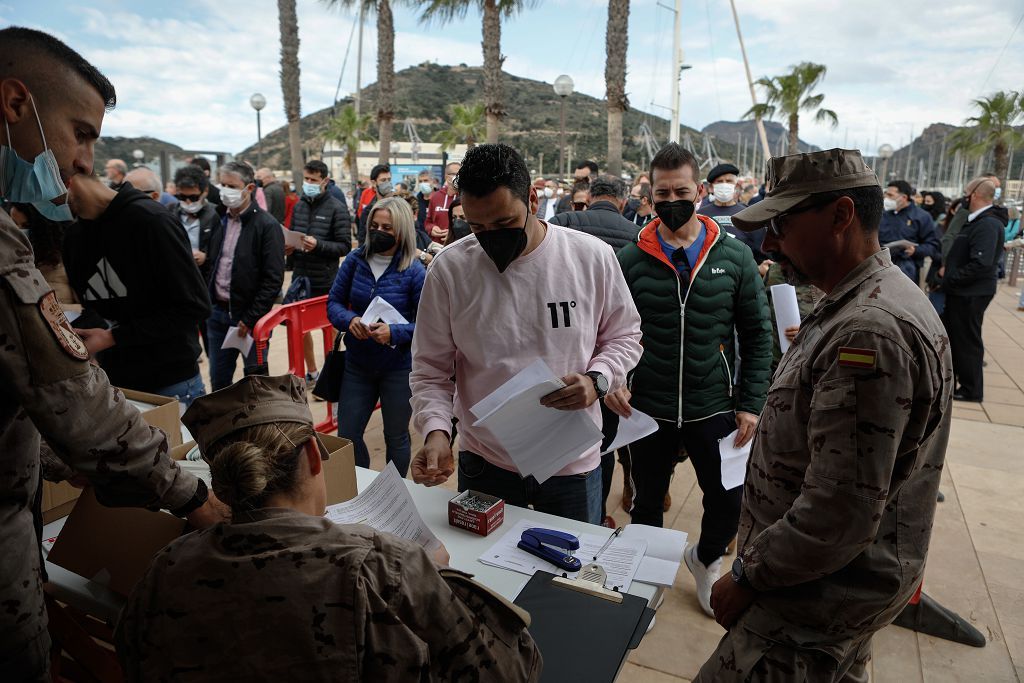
(540, 441)
(734, 461)
(386, 506)
(620, 559)
(787, 311)
(664, 553)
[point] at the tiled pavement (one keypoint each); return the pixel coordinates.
(976, 545)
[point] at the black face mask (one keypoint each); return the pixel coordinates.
(381, 241)
(460, 229)
(503, 246)
(675, 214)
(633, 204)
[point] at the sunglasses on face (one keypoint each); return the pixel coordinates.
(579, 206)
(775, 226)
(188, 197)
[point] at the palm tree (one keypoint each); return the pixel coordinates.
(790, 94)
(493, 11)
(349, 129)
(289, 23)
(992, 129)
(615, 79)
(466, 126)
(385, 68)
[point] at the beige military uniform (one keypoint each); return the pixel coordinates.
(284, 596)
(840, 491)
(50, 388)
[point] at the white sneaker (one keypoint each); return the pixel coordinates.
(704, 576)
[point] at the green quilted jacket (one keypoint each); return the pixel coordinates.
(689, 363)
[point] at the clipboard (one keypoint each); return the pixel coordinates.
(582, 636)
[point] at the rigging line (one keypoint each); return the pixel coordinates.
(1001, 53)
(714, 68)
(345, 61)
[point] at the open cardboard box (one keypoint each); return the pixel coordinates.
(59, 497)
(114, 546)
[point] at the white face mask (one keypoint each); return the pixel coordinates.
(192, 207)
(888, 204)
(560, 192)
(549, 192)
(231, 197)
(724, 192)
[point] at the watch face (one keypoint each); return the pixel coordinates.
(602, 384)
(737, 569)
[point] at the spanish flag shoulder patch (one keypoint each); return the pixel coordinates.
(857, 358)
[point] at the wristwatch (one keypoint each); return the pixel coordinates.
(197, 500)
(600, 383)
(738, 575)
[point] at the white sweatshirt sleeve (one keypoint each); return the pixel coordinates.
(618, 335)
(433, 359)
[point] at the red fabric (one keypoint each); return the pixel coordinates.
(364, 200)
(917, 594)
(290, 200)
(437, 212)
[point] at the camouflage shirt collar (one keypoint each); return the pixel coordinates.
(865, 269)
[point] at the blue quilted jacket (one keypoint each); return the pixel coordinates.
(353, 290)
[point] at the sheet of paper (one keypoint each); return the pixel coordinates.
(900, 244)
(787, 311)
(632, 428)
(734, 461)
(233, 341)
(540, 441)
(621, 559)
(293, 238)
(383, 312)
(387, 506)
(664, 552)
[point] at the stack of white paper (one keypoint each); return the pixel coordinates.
(734, 461)
(621, 559)
(380, 311)
(540, 441)
(386, 506)
(664, 552)
(787, 311)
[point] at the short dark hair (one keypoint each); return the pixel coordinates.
(608, 186)
(587, 164)
(317, 166)
(378, 169)
(201, 162)
(18, 39)
(580, 186)
(190, 176)
(485, 168)
(903, 187)
(867, 204)
(645, 191)
(673, 156)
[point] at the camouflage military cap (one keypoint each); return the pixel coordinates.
(795, 178)
(254, 400)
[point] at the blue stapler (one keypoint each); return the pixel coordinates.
(553, 546)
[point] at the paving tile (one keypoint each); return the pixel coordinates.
(1005, 414)
(962, 412)
(634, 673)
(1012, 396)
(894, 656)
(998, 379)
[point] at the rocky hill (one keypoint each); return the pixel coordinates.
(729, 131)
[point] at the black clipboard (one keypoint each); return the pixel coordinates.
(581, 637)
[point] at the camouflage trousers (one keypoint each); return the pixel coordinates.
(744, 656)
(30, 662)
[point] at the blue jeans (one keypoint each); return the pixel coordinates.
(360, 391)
(223, 361)
(575, 496)
(186, 391)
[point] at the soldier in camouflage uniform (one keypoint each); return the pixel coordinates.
(49, 386)
(282, 593)
(840, 491)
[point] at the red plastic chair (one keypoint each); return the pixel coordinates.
(299, 318)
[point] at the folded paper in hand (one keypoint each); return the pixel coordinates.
(380, 311)
(233, 341)
(632, 428)
(293, 238)
(540, 441)
(734, 461)
(787, 312)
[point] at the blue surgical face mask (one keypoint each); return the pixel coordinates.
(998, 194)
(311, 189)
(36, 183)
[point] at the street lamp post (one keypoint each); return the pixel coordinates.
(258, 101)
(138, 155)
(885, 153)
(563, 88)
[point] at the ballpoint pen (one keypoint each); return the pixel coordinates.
(609, 541)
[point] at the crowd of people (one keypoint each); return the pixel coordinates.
(648, 295)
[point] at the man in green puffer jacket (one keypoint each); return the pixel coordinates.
(698, 290)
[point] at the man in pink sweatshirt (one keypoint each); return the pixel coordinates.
(516, 290)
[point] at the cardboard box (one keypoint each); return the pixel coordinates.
(59, 498)
(476, 518)
(114, 546)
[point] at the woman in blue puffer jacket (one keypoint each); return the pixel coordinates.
(378, 356)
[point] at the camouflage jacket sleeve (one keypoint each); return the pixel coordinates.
(464, 626)
(88, 423)
(860, 429)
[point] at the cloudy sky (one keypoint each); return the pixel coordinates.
(185, 70)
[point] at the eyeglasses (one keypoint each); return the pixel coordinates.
(188, 197)
(775, 226)
(579, 206)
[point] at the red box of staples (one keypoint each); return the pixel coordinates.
(476, 512)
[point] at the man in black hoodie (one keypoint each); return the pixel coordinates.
(969, 280)
(245, 279)
(130, 263)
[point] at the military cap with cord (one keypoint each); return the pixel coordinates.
(253, 400)
(793, 180)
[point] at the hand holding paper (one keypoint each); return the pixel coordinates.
(734, 461)
(787, 312)
(237, 339)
